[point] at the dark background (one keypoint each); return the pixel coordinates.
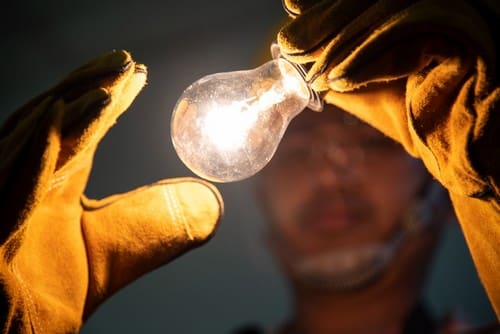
(232, 280)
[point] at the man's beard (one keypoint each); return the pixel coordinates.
(337, 268)
(348, 268)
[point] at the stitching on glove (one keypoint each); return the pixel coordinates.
(69, 169)
(33, 315)
(174, 208)
(58, 181)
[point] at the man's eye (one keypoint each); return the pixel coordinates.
(294, 155)
(379, 144)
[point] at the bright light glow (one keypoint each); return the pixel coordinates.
(267, 100)
(227, 126)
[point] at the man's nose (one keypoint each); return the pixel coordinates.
(334, 169)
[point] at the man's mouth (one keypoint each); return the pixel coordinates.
(330, 221)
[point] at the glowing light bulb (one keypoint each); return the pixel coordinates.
(227, 126)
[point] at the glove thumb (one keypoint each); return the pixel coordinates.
(130, 234)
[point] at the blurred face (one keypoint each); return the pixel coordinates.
(335, 183)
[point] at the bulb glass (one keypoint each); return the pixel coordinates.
(226, 126)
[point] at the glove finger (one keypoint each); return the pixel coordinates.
(95, 73)
(331, 31)
(297, 7)
(301, 39)
(21, 124)
(14, 137)
(27, 163)
(88, 77)
(78, 117)
(385, 54)
(352, 46)
(91, 110)
(131, 234)
(88, 118)
(85, 120)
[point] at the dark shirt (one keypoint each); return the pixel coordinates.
(420, 321)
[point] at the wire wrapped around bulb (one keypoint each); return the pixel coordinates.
(227, 126)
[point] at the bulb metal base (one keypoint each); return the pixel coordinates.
(315, 100)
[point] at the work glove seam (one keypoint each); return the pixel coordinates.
(32, 313)
(175, 210)
(92, 284)
(92, 204)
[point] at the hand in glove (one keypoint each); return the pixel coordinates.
(425, 72)
(62, 253)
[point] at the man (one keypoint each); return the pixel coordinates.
(354, 220)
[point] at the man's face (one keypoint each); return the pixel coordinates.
(337, 183)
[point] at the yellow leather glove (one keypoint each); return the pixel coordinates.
(62, 253)
(426, 73)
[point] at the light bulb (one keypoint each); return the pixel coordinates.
(227, 126)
